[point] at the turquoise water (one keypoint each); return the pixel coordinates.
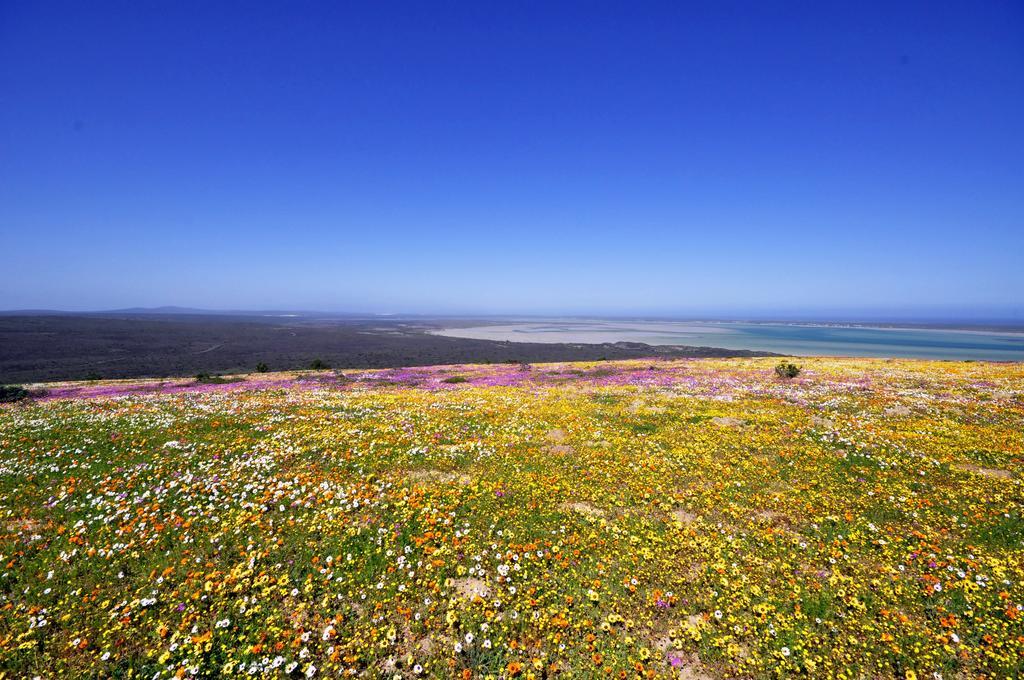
(795, 339)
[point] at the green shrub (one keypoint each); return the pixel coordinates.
(261, 367)
(318, 365)
(207, 379)
(456, 379)
(9, 393)
(787, 370)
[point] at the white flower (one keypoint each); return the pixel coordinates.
(785, 651)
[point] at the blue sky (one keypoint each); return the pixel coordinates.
(675, 158)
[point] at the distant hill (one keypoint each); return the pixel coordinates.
(171, 310)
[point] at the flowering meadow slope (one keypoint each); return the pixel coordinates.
(695, 518)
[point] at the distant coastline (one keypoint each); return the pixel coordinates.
(981, 325)
(797, 338)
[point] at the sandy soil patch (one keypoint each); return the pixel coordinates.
(471, 588)
(995, 473)
(555, 436)
(772, 517)
(693, 671)
(684, 517)
(639, 406)
(584, 509)
(439, 476)
(557, 446)
(898, 410)
(688, 666)
(822, 423)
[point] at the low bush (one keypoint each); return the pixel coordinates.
(9, 393)
(456, 379)
(787, 370)
(207, 379)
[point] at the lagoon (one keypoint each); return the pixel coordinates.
(784, 338)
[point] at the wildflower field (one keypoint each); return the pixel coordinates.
(687, 518)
